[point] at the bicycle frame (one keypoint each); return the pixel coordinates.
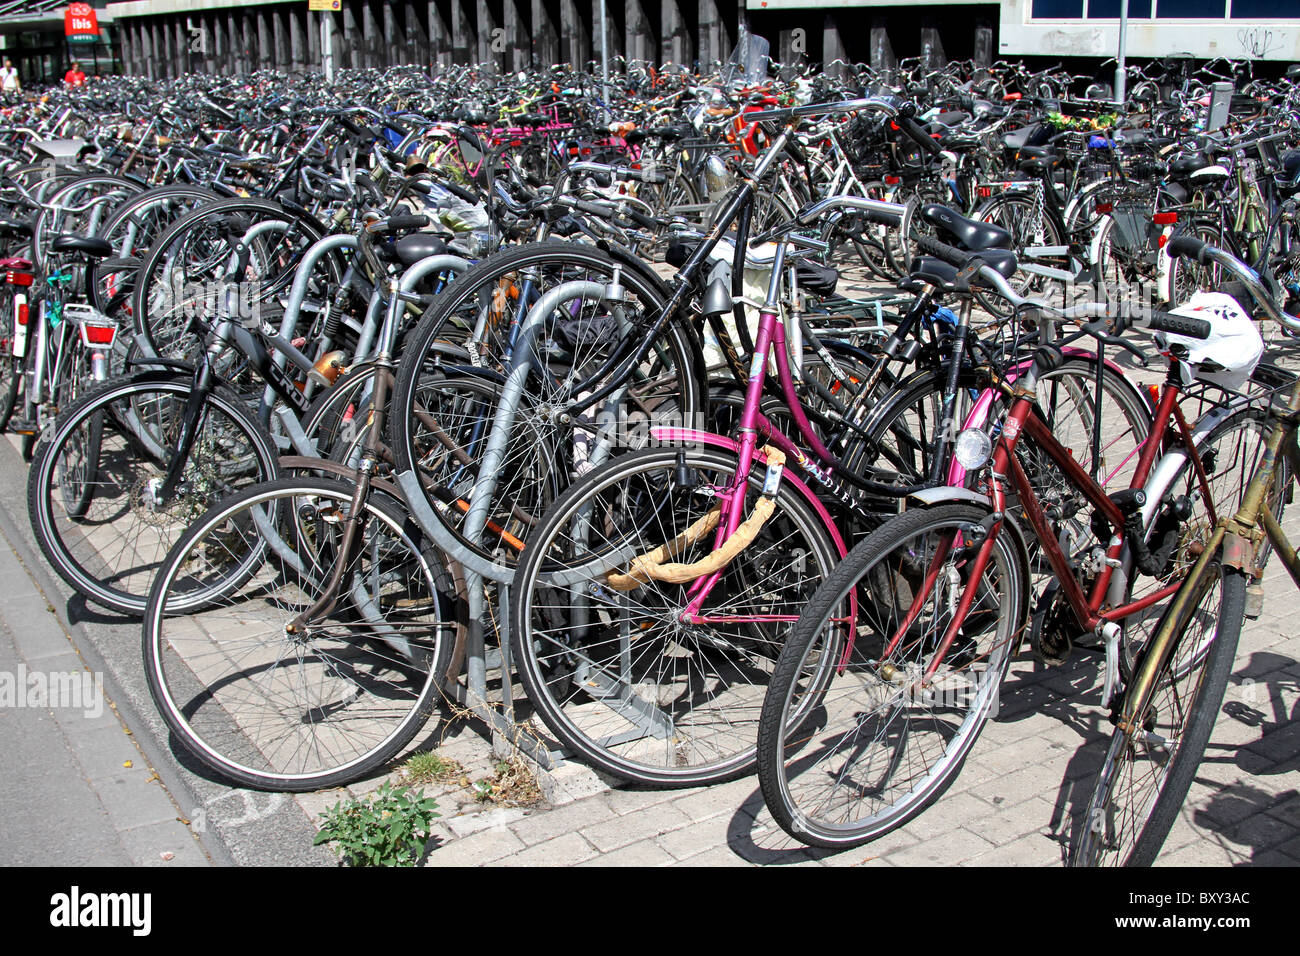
(1022, 420)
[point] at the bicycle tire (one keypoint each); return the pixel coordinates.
(137, 417)
(1128, 819)
(443, 345)
(368, 675)
(817, 773)
(682, 707)
(164, 308)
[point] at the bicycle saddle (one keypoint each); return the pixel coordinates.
(86, 245)
(927, 269)
(409, 250)
(971, 234)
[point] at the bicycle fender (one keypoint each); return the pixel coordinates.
(945, 495)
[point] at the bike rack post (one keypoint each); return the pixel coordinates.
(479, 570)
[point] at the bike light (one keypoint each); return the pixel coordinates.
(98, 336)
(1165, 218)
(18, 278)
(23, 312)
(1105, 207)
(972, 449)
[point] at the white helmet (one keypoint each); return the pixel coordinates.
(1234, 347)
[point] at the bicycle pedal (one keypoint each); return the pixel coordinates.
(24, 427)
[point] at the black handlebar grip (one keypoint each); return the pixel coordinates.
(916, 132)
(403, 223)
(1179, 324)
(1187, 246)
(943, 251)
(350, 126)
(459, 191)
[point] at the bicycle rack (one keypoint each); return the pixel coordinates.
(479, 570)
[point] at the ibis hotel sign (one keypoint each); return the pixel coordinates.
(80, 23)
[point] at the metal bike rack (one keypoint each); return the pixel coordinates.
(479, 570)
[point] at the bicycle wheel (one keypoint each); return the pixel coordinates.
(266, 698)
(878, 744)
(618, 676)
(92, 489)
(470, 333)
(232, 258)
(1230, 452)
(902, 428)
(1145, 776)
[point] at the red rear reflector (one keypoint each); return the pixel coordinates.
(1165, 218)
(99, 334)
(18, 278)
(985, 192)
(892, 180)
(1104, 207)
(1160, 241)
(23, 312)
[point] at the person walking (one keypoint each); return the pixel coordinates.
(9, 77)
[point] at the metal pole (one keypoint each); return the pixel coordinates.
(604, 60)
(327, 44)
(1121, 72)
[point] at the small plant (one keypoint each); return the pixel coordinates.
(511, 784)
(429, 767)
(390, 828)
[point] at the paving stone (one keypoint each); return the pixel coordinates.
(620, 831)
(566, 850)
(642, 853)
(486, 846)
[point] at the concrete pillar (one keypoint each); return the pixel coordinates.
(353, 43)
(207, 24)
(148, 63)
(280, 34)
(417, 33)
(232, 43)
(712, 34)
(641, 37)
(390, 48)
(519, 46)
(882, 51)
(439, 34)
(185, 61)
(372, 40)
(575, 35)
(264, 52)
(315, 62)
(464, 35)
(833, 47)
(491, 47)
(983, 55)
(676, 46)
(297, 38)
(169, 47)
(546, 40)
(932, 55)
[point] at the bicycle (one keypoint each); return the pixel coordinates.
(900, 654)
(1165, 716)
